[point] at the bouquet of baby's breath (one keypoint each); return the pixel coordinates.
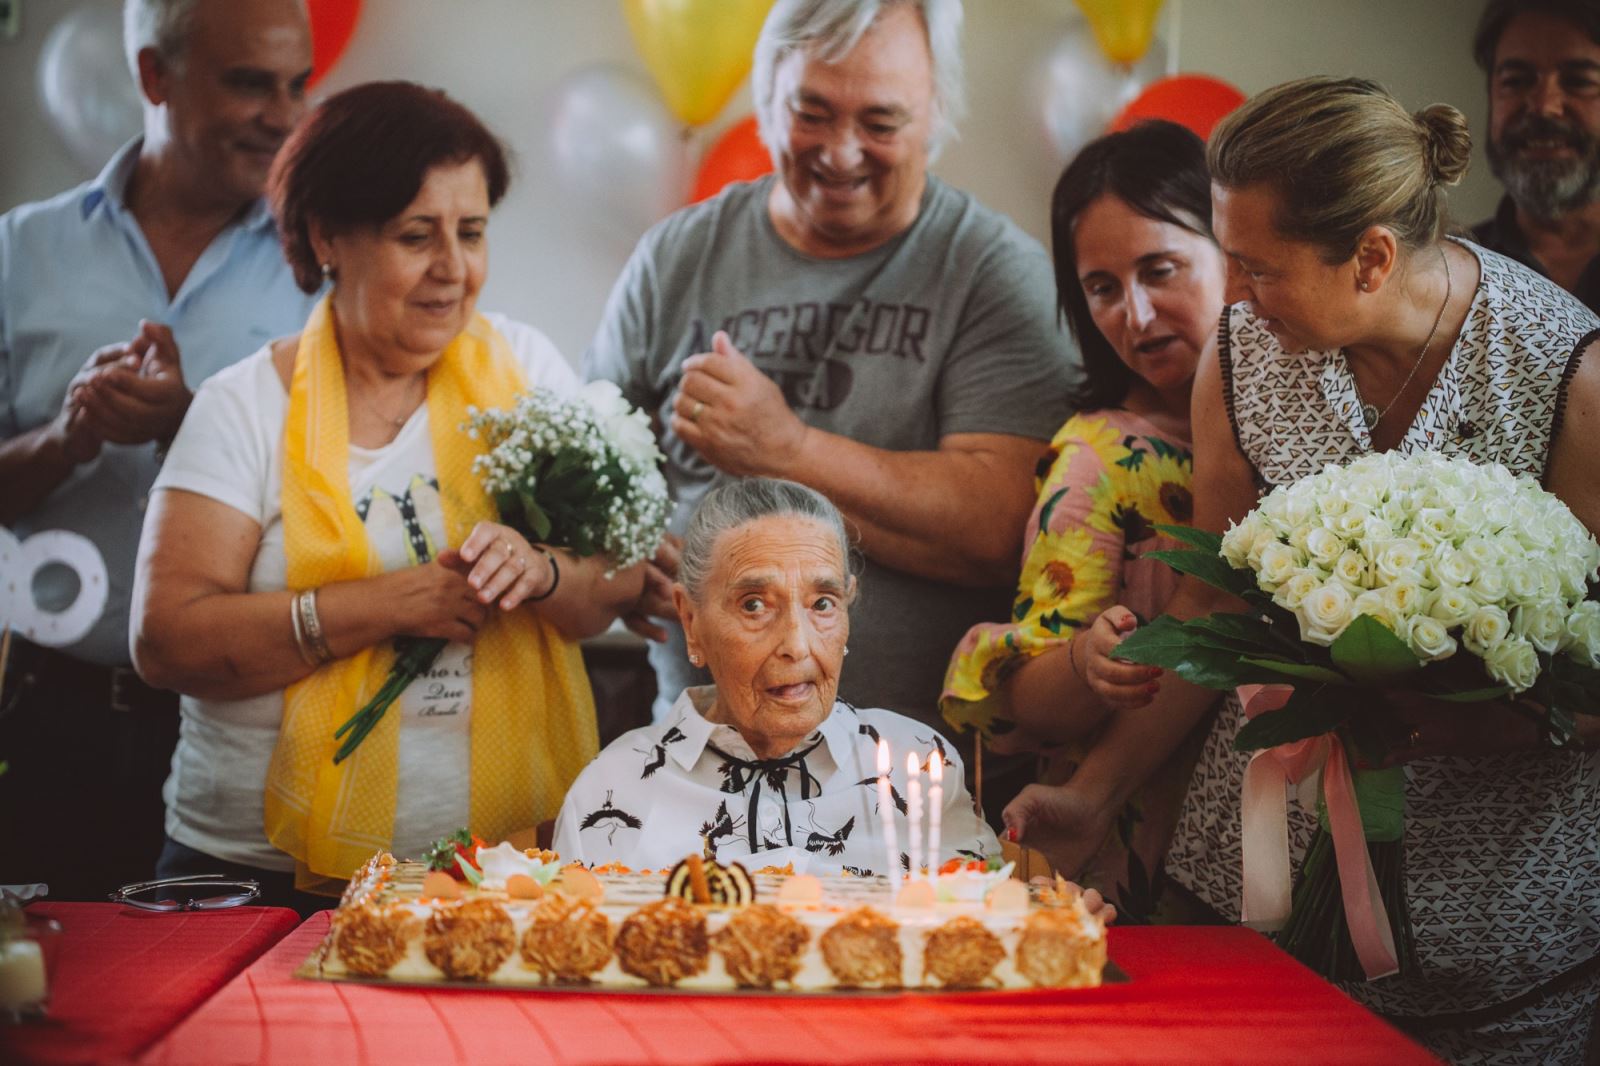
(1421, 572)
(581, 473)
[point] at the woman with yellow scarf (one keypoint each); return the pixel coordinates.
(319, 501)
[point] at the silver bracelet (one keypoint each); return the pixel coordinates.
(313, 627)
(299, 633)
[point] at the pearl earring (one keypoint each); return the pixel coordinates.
(694, 659)
(327, 273)
(847, 649)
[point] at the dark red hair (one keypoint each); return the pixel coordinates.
(359, 158)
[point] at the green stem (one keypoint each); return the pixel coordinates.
(414, 655)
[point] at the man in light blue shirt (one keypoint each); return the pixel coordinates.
(117, 298)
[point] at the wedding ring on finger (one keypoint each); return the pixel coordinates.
(694, 412)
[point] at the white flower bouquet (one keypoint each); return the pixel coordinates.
(582, 473)
(1421, 572)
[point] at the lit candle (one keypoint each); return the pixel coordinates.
(935, 812)
(914, 811)
(886, 814)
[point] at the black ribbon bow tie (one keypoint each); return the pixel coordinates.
(774, 773)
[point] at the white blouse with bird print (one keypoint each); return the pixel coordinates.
(685, 784)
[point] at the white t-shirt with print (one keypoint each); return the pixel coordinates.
(230, 449)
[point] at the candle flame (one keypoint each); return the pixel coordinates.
(913, 768)
(935, 768)
(883, 757)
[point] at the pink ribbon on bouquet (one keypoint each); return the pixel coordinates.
(1264, 810)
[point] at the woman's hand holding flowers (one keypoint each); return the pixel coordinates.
(504, 566)
(436, 600)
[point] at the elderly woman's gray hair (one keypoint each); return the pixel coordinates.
(831, 28)
(736, 503)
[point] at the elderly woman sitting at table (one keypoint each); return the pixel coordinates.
(766, 761)
(320, 502)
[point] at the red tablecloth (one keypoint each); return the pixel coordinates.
(124, 976)
(1196, 995)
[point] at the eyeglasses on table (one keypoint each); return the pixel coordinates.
(229, 892)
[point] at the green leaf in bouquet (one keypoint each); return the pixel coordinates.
(1293, 671)
(1473, 695)
(1165, 642)
(1213, 570)
(1370, 653)
(1381, 798)
(1248, 634)
(1310, 712)
(538, 523)
(1193, 654)
(1203, 539)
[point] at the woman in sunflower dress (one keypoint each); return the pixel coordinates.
(1139, 278)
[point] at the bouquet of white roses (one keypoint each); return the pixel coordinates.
(1420, 572)
(582, 473)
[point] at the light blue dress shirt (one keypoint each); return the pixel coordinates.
(76, 273)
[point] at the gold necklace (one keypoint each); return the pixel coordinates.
(1369, 411)
(394, 422)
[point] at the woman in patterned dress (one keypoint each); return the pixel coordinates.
(1359, 328)
(1140, 279)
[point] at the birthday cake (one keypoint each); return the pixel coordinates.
(520, 918)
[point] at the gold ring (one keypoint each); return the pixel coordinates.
(694, 412)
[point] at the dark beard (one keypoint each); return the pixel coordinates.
(1547, 188)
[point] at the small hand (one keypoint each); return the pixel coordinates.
(1119, 685)
(436, 600)
(1062, 823)
(140, 397)
(505, 566)
(655, 599)
(734, 415)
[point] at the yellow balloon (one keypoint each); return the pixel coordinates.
(697, 50)
(1123, 27)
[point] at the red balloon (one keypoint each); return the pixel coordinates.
(1193, 100)
(738, 155)
(332, 24)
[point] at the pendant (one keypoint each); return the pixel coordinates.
(1370, 413)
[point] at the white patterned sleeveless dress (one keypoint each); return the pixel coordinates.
(1502, 852)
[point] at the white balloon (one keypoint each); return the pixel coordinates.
(1081, 91)
(21, 560)
(84, 84)
(621, 156)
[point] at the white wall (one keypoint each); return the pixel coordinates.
(502, 57)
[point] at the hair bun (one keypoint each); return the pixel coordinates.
(1446, 143)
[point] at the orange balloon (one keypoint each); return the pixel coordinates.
(333, 22)
(1193, 100)
(738, 155)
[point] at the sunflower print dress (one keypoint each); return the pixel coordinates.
(1109, 479)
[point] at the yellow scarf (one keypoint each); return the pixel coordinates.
(533, 721)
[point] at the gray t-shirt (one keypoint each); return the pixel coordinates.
(949, 328)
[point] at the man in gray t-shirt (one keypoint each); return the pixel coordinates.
(856, 325)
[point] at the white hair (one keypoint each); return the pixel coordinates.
(736, 503)
(159, 24)
(830, 29)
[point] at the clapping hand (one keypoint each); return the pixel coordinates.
(139, 395)
(734, 415)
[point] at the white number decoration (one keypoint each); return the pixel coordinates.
(20, 561)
